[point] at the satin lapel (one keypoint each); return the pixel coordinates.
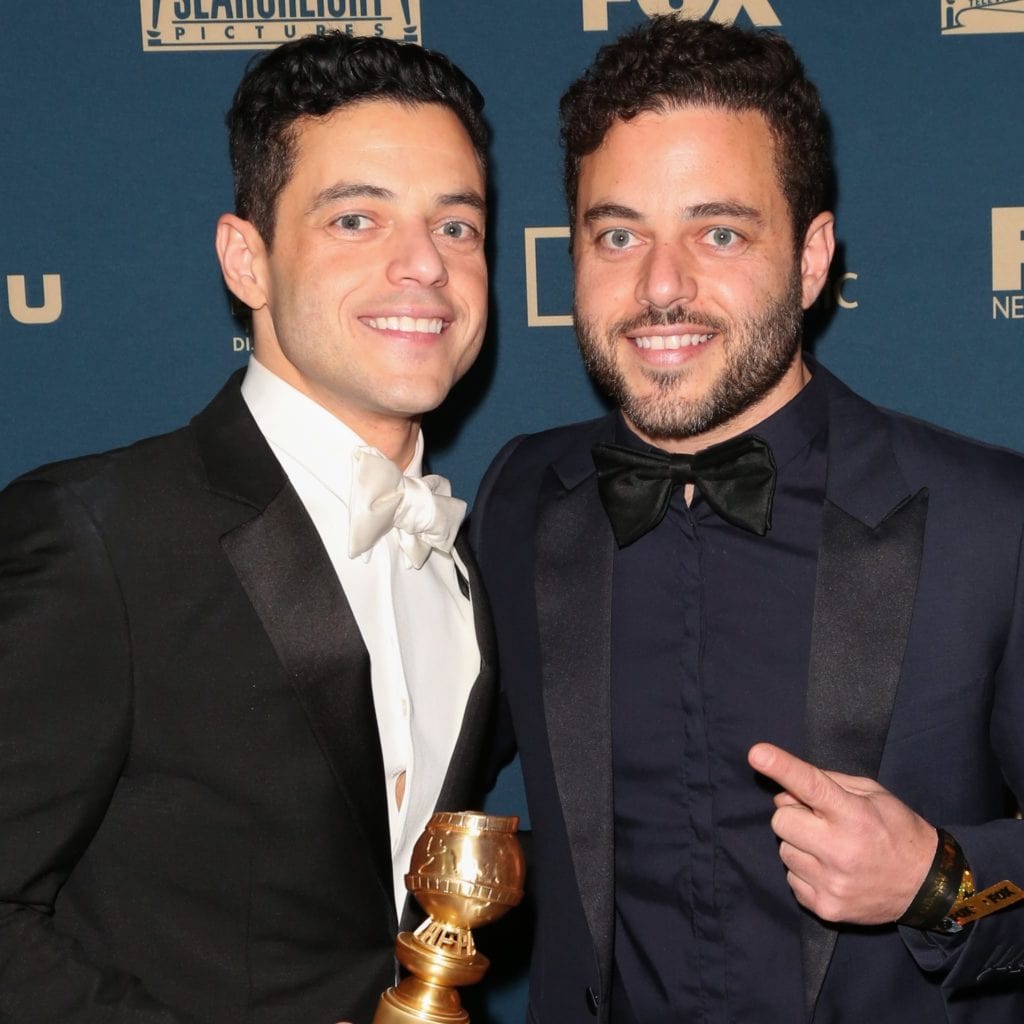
(281, 563)
(463, 781)
(868, 567)
(284, 569)
(573, 592)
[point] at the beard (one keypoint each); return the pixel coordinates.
(758, 349)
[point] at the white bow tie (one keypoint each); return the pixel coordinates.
(420, 508)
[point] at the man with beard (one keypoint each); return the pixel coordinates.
(761, 663)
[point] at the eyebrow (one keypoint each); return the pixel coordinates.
(610, 211)
(346, 190)
(723, 209)
(364, 190)
(471, 199)
(700, 211)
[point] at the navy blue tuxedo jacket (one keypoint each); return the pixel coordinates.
(916, 678)
(192, 797)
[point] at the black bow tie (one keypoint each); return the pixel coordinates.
(737, 479)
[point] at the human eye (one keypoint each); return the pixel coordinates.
(459, 230)
(617, 238)
(723, 238)
(353, 222)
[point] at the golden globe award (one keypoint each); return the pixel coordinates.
(466, 871)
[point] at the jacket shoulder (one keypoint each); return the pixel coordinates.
(924, 448)
(145, 458)
(948, 463)
(512, 482)
(530, 454)
(155, 464)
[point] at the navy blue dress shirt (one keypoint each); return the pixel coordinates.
(710, 642)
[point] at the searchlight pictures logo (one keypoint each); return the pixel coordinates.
(978, 17)
(263, 24)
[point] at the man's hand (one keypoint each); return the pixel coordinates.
(854, 852)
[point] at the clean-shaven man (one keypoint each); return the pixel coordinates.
(241, 664)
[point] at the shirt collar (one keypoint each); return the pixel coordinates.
(295, 424)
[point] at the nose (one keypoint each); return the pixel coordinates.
(416, 259)
(665, 280)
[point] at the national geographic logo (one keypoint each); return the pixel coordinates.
(22, 299)
(979, 17)
(1008, 263)
(263, 24)
(760, 12)
(550, 263)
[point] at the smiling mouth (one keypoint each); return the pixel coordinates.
(406, 324)
(659, 341)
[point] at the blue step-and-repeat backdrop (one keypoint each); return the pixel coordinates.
(113, 170)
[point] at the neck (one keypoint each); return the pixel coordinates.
(392, 434)
(395, 439)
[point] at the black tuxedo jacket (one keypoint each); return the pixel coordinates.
(192, 815)
(916, 677)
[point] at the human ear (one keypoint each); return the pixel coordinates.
(240, 251)
(816, 256)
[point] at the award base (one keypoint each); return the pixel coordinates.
(431, 1003)
(422, 997)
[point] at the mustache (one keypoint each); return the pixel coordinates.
(668, 318)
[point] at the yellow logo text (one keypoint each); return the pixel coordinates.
(1008, 262)
(981, 17)
(263, 24)
(23, 312)
(760, 12)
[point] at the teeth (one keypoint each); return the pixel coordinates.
(407, 324)
(659, 342)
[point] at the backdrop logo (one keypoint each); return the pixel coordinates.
(759, 12)
(535, 316)
(263, 24)
(1008, 262)
(975, 17)
(22, 300)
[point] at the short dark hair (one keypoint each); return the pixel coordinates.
(315, 75)
(672, 62)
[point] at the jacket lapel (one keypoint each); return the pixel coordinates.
(281, 563)
(868, 566)
(463, 780)
(573, 592)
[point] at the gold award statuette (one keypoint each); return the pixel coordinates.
(466, 871)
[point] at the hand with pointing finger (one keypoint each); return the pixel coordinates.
(854, 852)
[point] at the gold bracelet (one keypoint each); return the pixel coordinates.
(966, 888)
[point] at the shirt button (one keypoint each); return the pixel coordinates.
(591, 1001)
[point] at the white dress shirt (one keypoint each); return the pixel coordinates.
(416, 624)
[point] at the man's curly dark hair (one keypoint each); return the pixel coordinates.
(671, 62)
(312, 77)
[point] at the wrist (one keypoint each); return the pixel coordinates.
(948, 876)
(948, 898)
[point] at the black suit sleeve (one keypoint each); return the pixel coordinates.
(65, 718)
